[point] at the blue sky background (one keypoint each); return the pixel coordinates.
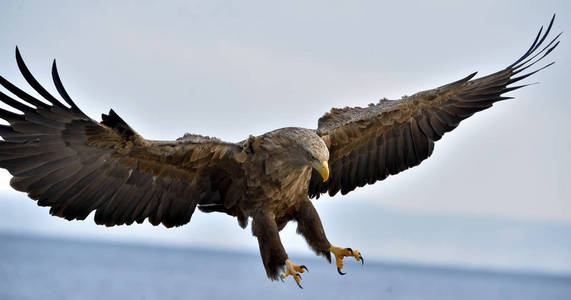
(495, 194)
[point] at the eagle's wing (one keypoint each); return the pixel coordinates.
(75, 165)
(368, 144)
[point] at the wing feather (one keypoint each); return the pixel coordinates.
(368, 144)
(75, 165)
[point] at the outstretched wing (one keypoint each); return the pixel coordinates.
(368, 144)
(75, 165)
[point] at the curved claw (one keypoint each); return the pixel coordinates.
(304, 267)
(282, 279)
(298, 284)
(340, 273)
(362, 260)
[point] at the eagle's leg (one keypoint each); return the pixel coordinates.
(273, 254)
(264, 227)
(309, 225)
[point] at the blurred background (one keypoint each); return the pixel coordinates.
(495, 197)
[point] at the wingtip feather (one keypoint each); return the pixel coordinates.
(61, 90)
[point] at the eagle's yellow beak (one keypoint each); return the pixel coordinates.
(322, 168)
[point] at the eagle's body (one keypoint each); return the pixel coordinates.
(273, 178)
(65, 160)
(277, 179)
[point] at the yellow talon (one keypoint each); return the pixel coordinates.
(294, 270)
(340, 253)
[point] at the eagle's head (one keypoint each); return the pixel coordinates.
(302, 147)
(317, 154)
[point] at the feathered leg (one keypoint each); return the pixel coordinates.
(275, 258)
(309, 225)
(264, 227)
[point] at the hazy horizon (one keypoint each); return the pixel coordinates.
(496, 244)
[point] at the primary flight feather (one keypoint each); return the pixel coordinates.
(65, 160)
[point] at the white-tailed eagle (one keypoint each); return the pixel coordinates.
(64, 159)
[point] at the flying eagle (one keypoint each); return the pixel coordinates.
(64, 159)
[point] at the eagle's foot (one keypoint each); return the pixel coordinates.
(294, 270)
(340, 253)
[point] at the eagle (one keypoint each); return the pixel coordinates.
(75, 165)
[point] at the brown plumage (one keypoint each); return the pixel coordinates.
(76, 165)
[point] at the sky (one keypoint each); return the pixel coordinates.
(495, 193)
